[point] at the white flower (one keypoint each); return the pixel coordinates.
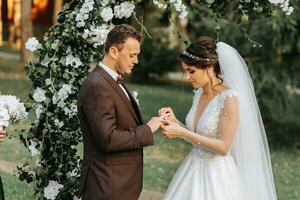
(51, 191)
(54, 45)
(61, 95)
(58, 123)
(104, 2)
(64, 91)
(45, 63)
(290, 10)
(107, 14)
(71, 60)
(284, 5)
(87, 6)
(86, 33)
(55, 99)
(178, 4)
(48, 81)
(73, 173)
(293, 90)
(32, 148)
(39, 110)
(15, 109)
(72, 111)
(135, 95)
(80, 24)
(4, 116)
(99, 35)
(125, 9)
(159, 4)
(76, 198)
(84, 11)
(276, 1)
(39, 95)
(183, 15)
(183, 12)
(32, 44)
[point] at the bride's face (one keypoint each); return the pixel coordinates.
(197, 77)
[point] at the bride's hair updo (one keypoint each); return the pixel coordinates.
(201, 54)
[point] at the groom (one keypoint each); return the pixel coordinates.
(113, 131)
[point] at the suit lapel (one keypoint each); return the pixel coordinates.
(134, 104)
(120, 92)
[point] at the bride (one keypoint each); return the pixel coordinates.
(230, 158)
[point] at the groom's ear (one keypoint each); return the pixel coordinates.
(113, 52)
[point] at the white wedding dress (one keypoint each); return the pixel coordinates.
(245, 173)
(204, 175)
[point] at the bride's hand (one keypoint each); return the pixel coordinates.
(2, 134)
(172, 129)
(167, 113)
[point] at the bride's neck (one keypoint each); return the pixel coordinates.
(212, 89)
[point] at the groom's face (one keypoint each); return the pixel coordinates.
(128, 56)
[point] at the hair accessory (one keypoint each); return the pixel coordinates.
(196, 58)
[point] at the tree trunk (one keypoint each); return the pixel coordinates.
(4, 19)
(26, 29)
(58, 4)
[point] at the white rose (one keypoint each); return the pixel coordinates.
(16, 109)
(39, 110)
(54, 45)
(39, 95)
(290, 10)
(71, 60)
(76, 198)
(32, 148)
(99, 35)
(32, 44)
(58, 123)
(159, 5)
(125, 9)
(51, 191)
(4, 116)
(107, 14)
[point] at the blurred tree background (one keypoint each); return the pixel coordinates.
(270, 45)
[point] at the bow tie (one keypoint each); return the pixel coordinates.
(120, 79)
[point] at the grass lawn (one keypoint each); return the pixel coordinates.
(8, 49)
(15, 189)
(161, 160)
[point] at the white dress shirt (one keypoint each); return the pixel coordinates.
(114, 75)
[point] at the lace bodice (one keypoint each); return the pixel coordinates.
(208, 123)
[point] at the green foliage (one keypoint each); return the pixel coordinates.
(156, 59)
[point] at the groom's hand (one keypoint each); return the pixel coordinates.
(167, 113)
(154, 123)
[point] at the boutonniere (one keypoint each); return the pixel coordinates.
(135, 95)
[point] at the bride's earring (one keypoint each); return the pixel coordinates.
(209, 74)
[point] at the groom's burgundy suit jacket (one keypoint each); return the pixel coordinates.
(113, 137)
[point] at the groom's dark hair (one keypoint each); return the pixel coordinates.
(119, 34)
